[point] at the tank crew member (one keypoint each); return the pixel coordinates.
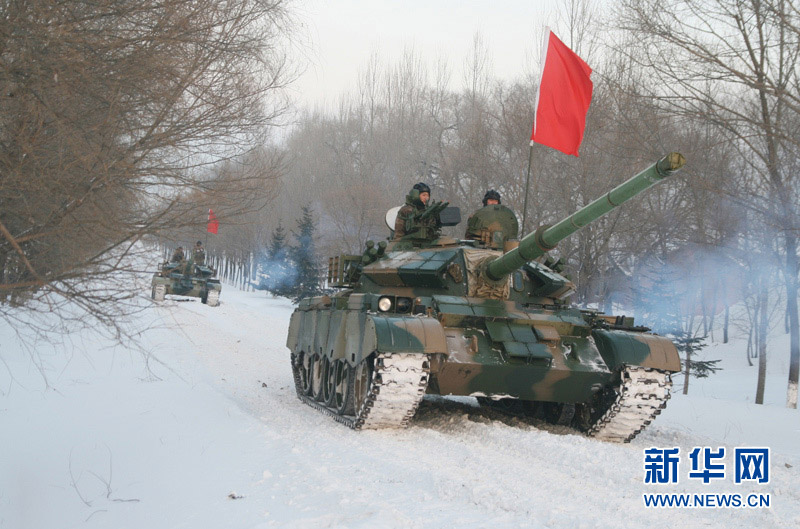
(199, 254)
(492, 217)
(491, 198)
(410, 218)
(177, 255)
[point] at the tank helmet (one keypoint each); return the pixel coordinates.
(422, 187)
(199, 243)
(491, 194)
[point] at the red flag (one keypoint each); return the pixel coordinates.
(565, 91)
(213, 223)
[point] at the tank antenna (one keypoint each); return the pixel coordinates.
(527, 185)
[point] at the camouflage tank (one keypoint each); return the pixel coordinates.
(481, 318)
(186, 278)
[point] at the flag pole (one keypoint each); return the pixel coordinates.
(527, 186)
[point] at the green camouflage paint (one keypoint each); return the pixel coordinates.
(490, 324)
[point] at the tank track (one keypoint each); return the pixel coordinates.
(159, 292)
(398, 383)
(642, 394)
(213, 298)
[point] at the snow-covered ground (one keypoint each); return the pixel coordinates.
(198, 427)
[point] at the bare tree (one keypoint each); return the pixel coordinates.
(362, 158)
(237, 191)
(577, 21)
(733, 64)
(113, 115)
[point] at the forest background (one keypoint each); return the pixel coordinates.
(127, 121)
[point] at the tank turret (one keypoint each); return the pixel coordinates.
(546, 238)
(480, 318)
(186, 278)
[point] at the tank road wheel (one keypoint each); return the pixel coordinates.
(327, 381)
(507, 405)
(558, 413)
(318, 377)
(382, 391)
(159, 292)
(588, 413)
(362, 381)
(342, 396)
(630, 404)
(212, 298)
(531, 408)
(305, 366)
(294, 361)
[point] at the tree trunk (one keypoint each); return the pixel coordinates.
(704, 309)
(713, 308)
(687, 370)
(3, 275)
(762, 343)
(725, 324)
(786, 327)
(794, 326)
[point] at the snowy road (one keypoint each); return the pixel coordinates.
(112, 446)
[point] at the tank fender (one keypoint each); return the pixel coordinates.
(303, 331)
(636, 349)
(158, 280)
(337, 335)
(319, 339)
(294, 330)
(409, 334)
(355, 335)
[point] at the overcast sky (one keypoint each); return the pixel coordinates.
(340, 35)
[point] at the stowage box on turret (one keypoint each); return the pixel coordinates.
(480, 318)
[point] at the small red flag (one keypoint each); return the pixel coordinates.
(565, 92)
(213, 223)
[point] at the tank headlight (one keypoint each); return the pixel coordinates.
(403, 305)
(385, 304)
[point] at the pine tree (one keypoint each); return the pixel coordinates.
(277, 273)
(662, 308)
(304, 256)
(690, 345)
(277, 245)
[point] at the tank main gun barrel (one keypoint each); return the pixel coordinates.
(546, 238)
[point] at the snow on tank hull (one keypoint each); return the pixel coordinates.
(452, 317)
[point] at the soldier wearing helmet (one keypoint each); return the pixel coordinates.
(491, 197)
(177, 255)
(409, 221)
(492, 218)
(199, 253)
